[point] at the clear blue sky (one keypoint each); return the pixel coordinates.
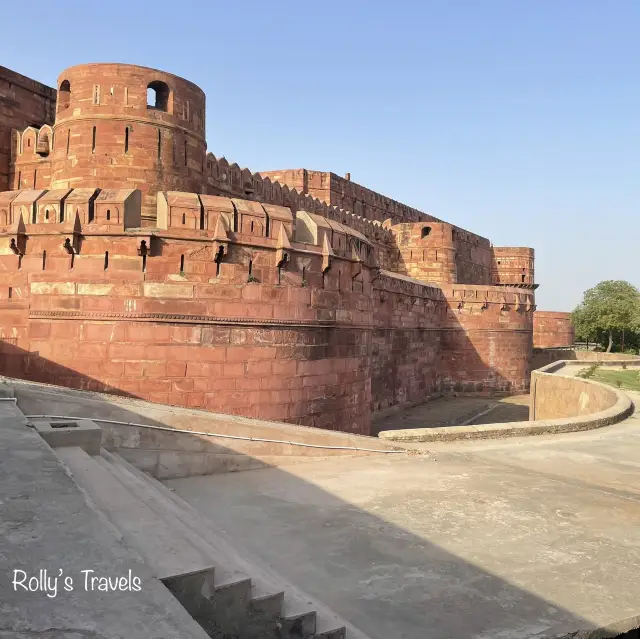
(516, 119)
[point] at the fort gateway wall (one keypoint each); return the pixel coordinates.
(147, 267)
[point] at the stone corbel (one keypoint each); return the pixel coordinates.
(355, 254)
(374, 273)
(327, 254)
(220, 242)
(17, 235)
(70, 246)
(485, 306)
(283, 248)
(505, 305)
(143, 249)
(14, 245)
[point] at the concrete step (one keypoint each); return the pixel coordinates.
(234, 606)
(298, 615)
(330, 633)
(144, 487)
(302, 625)
(139, 525)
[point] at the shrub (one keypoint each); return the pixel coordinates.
(588, 372)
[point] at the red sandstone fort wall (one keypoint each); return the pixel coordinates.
(405, 341)
(552, 329)
(323, 340)
(272, 301)
(176, 328)
(23, 102)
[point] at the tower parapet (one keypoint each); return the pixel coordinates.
(513, 266)
(122, 124)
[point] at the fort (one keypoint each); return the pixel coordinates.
(132, 261)
(207, 305)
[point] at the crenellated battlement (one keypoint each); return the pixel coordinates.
(343, 193)
(231, 180)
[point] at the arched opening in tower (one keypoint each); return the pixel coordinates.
(158, 94)
(64, 95)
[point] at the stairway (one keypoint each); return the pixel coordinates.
(229, 595)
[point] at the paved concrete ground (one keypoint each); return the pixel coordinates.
(454, 411)
(503, 539)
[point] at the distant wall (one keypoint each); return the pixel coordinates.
(552, 329)
(23, 102)
(437, 252)
(343, 193)
(544, 356)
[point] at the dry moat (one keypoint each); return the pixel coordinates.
(457, 411)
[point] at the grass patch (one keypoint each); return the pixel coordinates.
(625, 379)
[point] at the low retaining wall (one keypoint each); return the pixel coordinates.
(559, 404)
(557, 396)
(170, 454)
(176, 444)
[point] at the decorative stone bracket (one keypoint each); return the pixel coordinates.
(17, 237)
(327, 255)
(71, 246)
(16, 245)
(283, 248)
(220, 241)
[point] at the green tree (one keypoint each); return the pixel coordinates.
(612, 305)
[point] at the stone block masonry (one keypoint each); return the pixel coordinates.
(143, 266)
(552, 329)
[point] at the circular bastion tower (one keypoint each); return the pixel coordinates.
(124, 126)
